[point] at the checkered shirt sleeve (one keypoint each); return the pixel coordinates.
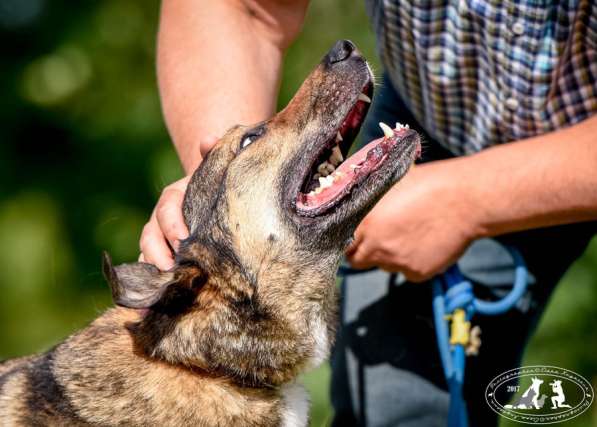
(477, 73)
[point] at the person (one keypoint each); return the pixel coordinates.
(505, 96)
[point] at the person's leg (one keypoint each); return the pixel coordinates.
(385, 366)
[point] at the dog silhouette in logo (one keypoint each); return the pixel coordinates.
(558, 400)
(530, 398)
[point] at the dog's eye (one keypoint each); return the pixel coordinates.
(252, 136)
(246, 142)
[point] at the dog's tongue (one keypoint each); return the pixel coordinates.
(350, 172)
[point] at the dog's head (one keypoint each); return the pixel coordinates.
(271, 209)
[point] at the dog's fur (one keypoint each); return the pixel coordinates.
(220, 339)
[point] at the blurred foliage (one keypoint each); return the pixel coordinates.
(84, 154)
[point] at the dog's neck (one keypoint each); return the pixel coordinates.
(257, 338)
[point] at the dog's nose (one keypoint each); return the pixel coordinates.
(341, 51)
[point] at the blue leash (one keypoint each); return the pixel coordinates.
(453, 300)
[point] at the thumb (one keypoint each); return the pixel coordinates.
(207, 144)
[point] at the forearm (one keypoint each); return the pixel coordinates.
(219, 64)
(538, 182)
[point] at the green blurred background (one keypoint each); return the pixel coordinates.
(84, 154)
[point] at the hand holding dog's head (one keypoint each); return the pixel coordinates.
(265, 239)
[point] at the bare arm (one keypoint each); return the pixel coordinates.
(425, 222)
(219, 64)
(546, 180)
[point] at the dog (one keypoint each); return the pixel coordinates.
(530, 398)
(219, 339)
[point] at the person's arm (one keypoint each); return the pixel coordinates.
(539, 182)
(425, 223)
(219, 64)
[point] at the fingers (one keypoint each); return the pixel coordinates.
(168, 213)
(154, 248)
(166, 227)
(357, 256)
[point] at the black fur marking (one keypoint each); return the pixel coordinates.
(46, 397)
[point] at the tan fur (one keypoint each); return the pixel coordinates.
(220, 339)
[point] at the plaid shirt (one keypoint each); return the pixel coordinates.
(477, 73)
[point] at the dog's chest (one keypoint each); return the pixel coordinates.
(295, 409)
(321, 342)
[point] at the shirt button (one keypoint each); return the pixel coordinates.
(518, 28)
(512, 104)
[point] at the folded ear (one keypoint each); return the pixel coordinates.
(143, 285)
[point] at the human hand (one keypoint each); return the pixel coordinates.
(166, 227)
(420, 227)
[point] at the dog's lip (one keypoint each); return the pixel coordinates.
(348, 129)
(353, 172)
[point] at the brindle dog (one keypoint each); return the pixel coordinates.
(220, 339)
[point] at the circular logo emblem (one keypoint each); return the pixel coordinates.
(539, 394)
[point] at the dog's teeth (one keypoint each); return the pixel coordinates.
(311, 193)
(400, 126)
(387, 131)
(365, 98)
(322, 169)
(337, 155)
(331, 168)
(325, 182)
(318, 190)
(339, 137)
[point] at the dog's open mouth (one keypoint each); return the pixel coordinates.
(332, 176)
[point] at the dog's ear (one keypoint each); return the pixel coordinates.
(143, 285)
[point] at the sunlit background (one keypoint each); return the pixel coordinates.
(84, 154)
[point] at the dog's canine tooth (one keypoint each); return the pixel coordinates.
(387, 131)
(339, 137)
(331, 168)
(365, 98)
(322, 169)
